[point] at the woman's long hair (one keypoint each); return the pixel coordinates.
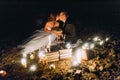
(52, 16)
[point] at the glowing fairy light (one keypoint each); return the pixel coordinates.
(107, 39)
(85, 45)
(24, 62)
(68, 45)
(1, 71)
(41, 54)
(33, 68)
(24, 55)
(88, 45)
(92, 45)
(32, 56)
(52, 66)
(96, 38)
(101, 42)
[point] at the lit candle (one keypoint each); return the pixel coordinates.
(3, 73)
(80, 55)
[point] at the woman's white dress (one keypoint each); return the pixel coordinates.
(38, 40)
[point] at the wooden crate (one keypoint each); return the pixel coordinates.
(65, 53)
(53, 56)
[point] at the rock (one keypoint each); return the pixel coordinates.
(101, 68)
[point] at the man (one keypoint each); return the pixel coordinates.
(67, 27)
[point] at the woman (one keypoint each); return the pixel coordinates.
(42, 39)
(51, 23)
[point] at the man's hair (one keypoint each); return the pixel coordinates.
(52, 16)
(65, 13)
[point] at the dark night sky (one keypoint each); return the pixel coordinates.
(17, 17)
